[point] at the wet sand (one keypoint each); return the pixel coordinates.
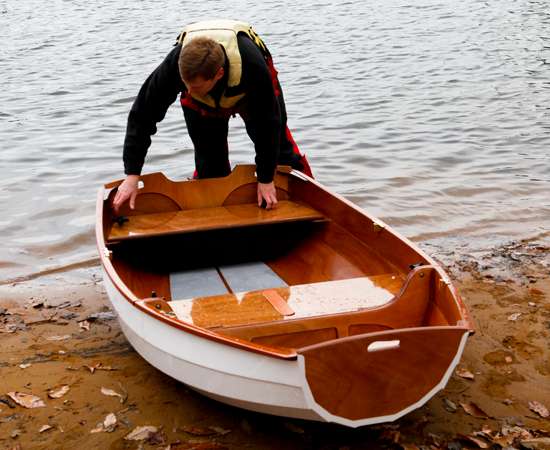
(46, 345)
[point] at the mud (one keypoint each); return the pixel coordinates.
(58, 330)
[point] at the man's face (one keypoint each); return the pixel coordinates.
(200, 87)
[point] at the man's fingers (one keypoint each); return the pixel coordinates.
(260, 197)
(271, 201)
(133, 200)
(267, 194)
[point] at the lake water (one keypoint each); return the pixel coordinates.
(432, 115)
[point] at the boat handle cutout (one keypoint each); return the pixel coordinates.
(378, 346)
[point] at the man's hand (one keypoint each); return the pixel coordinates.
(127, 190)
(267, 192)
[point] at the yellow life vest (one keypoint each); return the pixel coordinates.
(225, 33)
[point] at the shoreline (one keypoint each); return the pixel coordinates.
(59, 330)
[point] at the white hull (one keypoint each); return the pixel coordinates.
(236, 377)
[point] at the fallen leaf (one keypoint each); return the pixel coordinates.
(111, 393)
(464, 373)
(539, 408)
(59, 338)
(59, 392)
(105, 315)
(514, 317)
(141, 433)
(44, 428)
(509, 434)
(481, 443)
(474, 410)
(540, 443)
(449, 405)
(84, 325)
(26, 400)
(109, 424)
(93, 368)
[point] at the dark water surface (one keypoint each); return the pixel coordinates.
(432, 115)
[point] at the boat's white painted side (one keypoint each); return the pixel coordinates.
(237, 377)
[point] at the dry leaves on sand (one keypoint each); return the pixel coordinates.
(26, 400)
(474, 410)
(59, 338)
(141, 433)
(464, 373)
(449, 405)
(478, 441)
(112, 393)
(58, 392)
(539, 408)
(97, 366)
(108, 425)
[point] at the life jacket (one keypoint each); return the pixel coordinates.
(225, 33)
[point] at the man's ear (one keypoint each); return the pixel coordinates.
(219, 74)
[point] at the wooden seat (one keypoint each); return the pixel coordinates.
(286, 303)
(220, 217)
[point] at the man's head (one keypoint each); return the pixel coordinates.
(201, 65)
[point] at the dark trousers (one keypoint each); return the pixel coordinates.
(209, 136)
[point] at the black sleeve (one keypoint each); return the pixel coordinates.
(155, 96)
(262, 108)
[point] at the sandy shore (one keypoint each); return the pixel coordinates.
(58, 333)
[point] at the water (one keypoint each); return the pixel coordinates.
(432, 115)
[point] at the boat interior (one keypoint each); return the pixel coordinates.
(290, 278)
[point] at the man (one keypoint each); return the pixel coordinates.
(220, 68)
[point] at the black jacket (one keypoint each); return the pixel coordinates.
(162, 87)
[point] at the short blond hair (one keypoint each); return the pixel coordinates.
(201, 56)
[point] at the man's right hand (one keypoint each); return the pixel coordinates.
(127, 190)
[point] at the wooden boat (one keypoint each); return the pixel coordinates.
(311, 310)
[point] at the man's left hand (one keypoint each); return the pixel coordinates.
(267, 192)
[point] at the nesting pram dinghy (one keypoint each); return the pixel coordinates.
(311, 310)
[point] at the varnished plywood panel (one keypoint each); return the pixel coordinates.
(298, 339)
(316, 299)
(350, 381)
(143, 281)
(223, 217)
(408, 309)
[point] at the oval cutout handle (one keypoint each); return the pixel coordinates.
(378, 346)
